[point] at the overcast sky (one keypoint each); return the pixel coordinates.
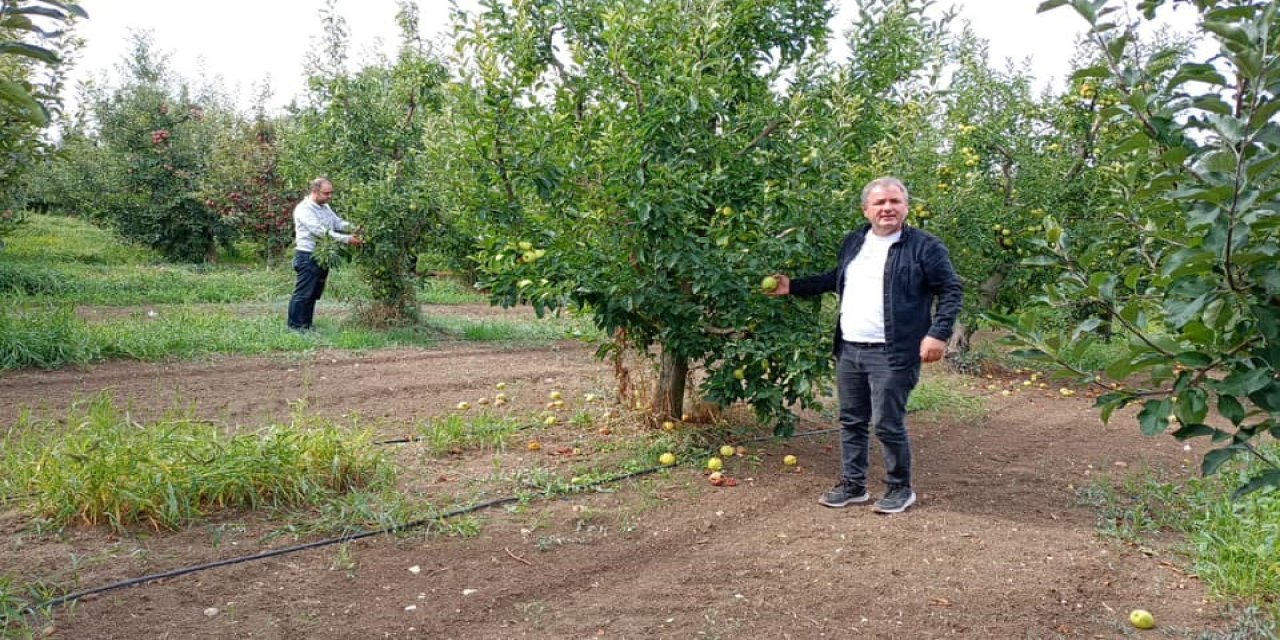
(245, 42)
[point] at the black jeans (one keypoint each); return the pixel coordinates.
(874, 393)
(309, 288)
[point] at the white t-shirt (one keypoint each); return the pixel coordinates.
(311, 221)
(862, 301)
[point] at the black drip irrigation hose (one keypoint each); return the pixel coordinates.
(78, 595)
(412, 439)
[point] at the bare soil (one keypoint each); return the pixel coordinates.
(999, 546)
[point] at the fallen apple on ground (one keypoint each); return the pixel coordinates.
(1142, 619)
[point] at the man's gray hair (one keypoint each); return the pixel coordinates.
(886, 181)
(322, 181)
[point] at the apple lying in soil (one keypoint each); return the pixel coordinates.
(1142, 619)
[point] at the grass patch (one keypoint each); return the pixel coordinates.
(47, 339)
(448, 291)
(54, 337)
(545, 329)
(942, 396)
(46, 238)
(461, 431)
(15, 601)
(104, 468)
(130, 285)
(1096, 356)
(1233, 546)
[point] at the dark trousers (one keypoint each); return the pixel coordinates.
(872, 393)
(309, 288)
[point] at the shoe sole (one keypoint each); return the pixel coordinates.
(910, 501)
(836, 505)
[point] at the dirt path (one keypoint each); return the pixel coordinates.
(998, 547)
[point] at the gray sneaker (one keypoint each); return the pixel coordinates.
(844, 494)
(896, 500)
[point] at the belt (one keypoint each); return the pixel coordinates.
(866, 345)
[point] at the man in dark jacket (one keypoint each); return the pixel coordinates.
(899, 298)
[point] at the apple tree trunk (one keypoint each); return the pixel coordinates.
(668, 395)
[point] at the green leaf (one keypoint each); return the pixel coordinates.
(1231, 409)
(1243, 383)
(28, 108)
(1214, 460)
(1154, 417)
(1040, 261)
(1193, 406)
(1197, 72)
(1267, 479)
(28, 51)
(1048, 5)
(1120, 369)
(1268, 397)
(1100, 71)
(1193, 359)
(1184, 312)
(1194, 431)
(1227, 31)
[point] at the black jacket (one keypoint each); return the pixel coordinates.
(917, 273)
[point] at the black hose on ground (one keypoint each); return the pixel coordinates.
(78, 595)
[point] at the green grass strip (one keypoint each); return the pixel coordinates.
(103, 468)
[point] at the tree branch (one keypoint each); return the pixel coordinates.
(768, 131)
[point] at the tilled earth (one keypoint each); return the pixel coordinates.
(999, 546)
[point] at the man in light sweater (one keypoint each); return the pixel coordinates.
(889, 277)
(313, 219)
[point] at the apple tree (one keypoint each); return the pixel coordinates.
(986, 158)
(1198, 294)
(160, 137)
(365, 130)
(244, 182)
(649, 162)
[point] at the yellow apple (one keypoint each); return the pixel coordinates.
(1142, 619)
(715, 464)
(667, 459)
(789, 460)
